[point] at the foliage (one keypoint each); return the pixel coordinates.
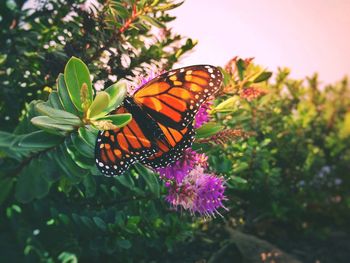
(50, 186)
(288, 167)
(54, 158)
(118, 39)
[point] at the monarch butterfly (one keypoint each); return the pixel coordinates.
(161, 128)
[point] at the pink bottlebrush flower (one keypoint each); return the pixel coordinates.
(179, 169)
(199, 192)
(202, 115)
(252, 93)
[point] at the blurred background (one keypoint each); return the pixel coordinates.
(308, 36)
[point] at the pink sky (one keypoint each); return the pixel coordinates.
(307, 36)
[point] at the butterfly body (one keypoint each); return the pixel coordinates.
(161, 128)
(151, 129)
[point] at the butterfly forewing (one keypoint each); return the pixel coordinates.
(174, 98)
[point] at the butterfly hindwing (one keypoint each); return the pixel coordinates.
(117, 149)
(172, 147)
(174, 97)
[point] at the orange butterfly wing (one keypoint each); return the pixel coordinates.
(171, 148)
(161, 129)
(174, 98)
(117, 149)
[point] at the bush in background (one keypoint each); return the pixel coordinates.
(118, 39)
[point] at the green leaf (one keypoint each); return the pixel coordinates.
(31, 183)
(6, 139)
(65, 182)
(50, 125)
(63, 117)
(344, 130)
(224, 166)
(87, 222)
(228, 105)
(152, 21)
(54, 101)
(67, 257)
(73, 172)
(6, 185)
(208, 129)
(3, 58)
(150, 179)
(100, 223)
(9, 146)
(263, 77)
(64, 95)
(99, 104)
(76, 74)
(88, 136)
(126, 180)
(132, 224)
(239, 180)
(72, 167)
(121, 10)
(169, 6)
(117, 121)
(79, 159)
(39, 139)
(95, 171)
(51, 168)
(117, 93)
(82, 146)
(89, 185)
(124, 243)
(241, 68)
(241, 167)
(227, 77)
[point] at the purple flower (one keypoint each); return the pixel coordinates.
(143, 80)
(199, 192)
(202, 115)
(190, 187)
(179, 169)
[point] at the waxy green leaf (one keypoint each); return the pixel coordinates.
(263, 77)
(61, 116)
(208, 129)
(31, 183)
(51, 125)
(241, 67)
(54, 101)
(87, 135)
(117, 93)
(39, 139)
(99, 104)
(111, 122)
(77, 76)
(64, 95)
(150, 179)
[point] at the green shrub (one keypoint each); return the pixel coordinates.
(289, 170)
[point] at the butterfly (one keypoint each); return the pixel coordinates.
(161, 128)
